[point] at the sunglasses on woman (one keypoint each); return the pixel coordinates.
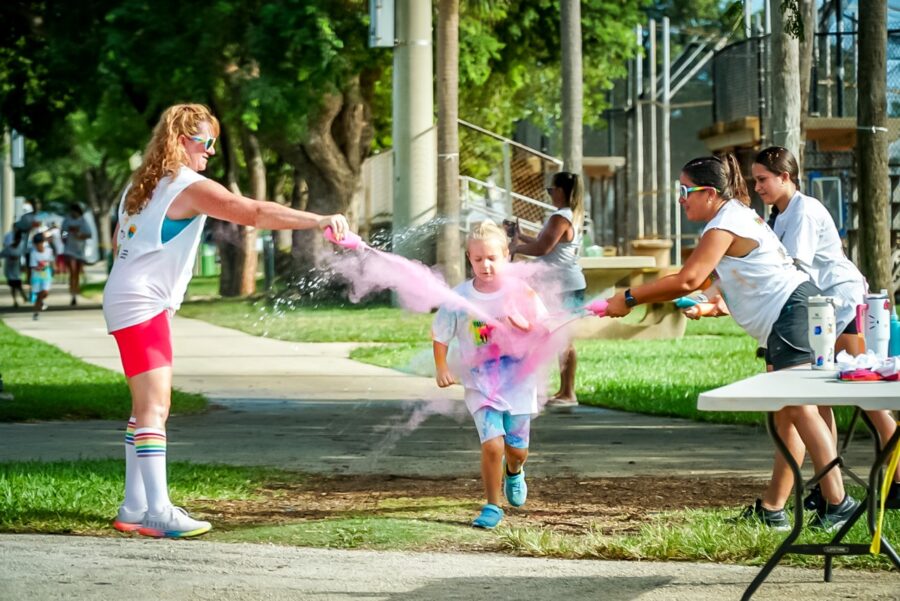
(208, 143)
(683, 190)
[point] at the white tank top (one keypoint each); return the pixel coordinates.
(564, 257)
(755, 287)
(149, 277)
(808, 233)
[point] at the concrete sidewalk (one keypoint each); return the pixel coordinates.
(307, 406)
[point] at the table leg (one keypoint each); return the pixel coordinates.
(875, 475)
(798, 511)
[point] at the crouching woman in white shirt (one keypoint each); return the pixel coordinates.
(767, 296)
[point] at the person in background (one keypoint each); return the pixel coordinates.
(559, 245)
(76, 233)
(13, 248)
(809, 234)
(40, 260)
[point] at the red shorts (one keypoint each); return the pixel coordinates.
(146, 346)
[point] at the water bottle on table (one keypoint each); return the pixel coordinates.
(878, 323)
(822, 331)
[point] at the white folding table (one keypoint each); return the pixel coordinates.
(773, 391)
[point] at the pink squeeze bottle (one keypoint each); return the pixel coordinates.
(350, 240)
(597, 307)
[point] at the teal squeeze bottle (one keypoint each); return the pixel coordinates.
(894, 344)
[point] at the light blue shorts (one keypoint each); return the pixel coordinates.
(40, 283)
(515, 429)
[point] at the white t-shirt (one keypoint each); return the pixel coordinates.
(41, 261)
(755, 287)
(485, 359)
(149, 276)
(808, 233)
(75, 230)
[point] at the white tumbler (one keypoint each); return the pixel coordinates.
(822, 331)
(878, 324)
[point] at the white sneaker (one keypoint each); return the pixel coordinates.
(173, 522)
(128, 520)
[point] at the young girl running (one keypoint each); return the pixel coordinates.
(809, 234)
(500, 398)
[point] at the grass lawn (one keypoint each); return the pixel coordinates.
(48, 383)
(278, 507)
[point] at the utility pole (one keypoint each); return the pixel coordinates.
(7, 206)
(573, 87)
(415, 148)
(872, 147)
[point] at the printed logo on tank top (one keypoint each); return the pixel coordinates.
(132, 230)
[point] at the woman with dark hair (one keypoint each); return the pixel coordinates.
(767, 296)
(809, 234)
(559, 245)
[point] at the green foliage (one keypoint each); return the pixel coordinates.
(510, 55)
(49, 384)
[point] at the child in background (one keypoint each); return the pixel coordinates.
(500, 397)
(12, 264)
(40, 260)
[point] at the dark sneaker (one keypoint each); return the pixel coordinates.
(893, 497)
(775, 519)
(832, 517)
(814, 500)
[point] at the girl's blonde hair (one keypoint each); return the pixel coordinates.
(164, 154)
(488, 230)
(573, 190)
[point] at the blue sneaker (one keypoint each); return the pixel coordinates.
(515, 488)
(489, 517)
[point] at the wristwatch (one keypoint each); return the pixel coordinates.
(629, 300)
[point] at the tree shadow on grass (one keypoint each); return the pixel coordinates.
(80, 401)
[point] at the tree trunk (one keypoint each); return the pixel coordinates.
(228, 236)
(872, 146)
(785, 85)
(808, 19)
(330, 159)
(256, 168)
(449, 254)
(572, 85)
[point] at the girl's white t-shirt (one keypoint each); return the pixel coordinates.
(479, 353)
(755, 287)
(808, 233)
(149, 276)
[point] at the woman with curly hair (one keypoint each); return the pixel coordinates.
(161, 218)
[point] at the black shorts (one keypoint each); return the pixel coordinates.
(851, 328)
(788, 342)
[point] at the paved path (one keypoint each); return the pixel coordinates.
(54, 568)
